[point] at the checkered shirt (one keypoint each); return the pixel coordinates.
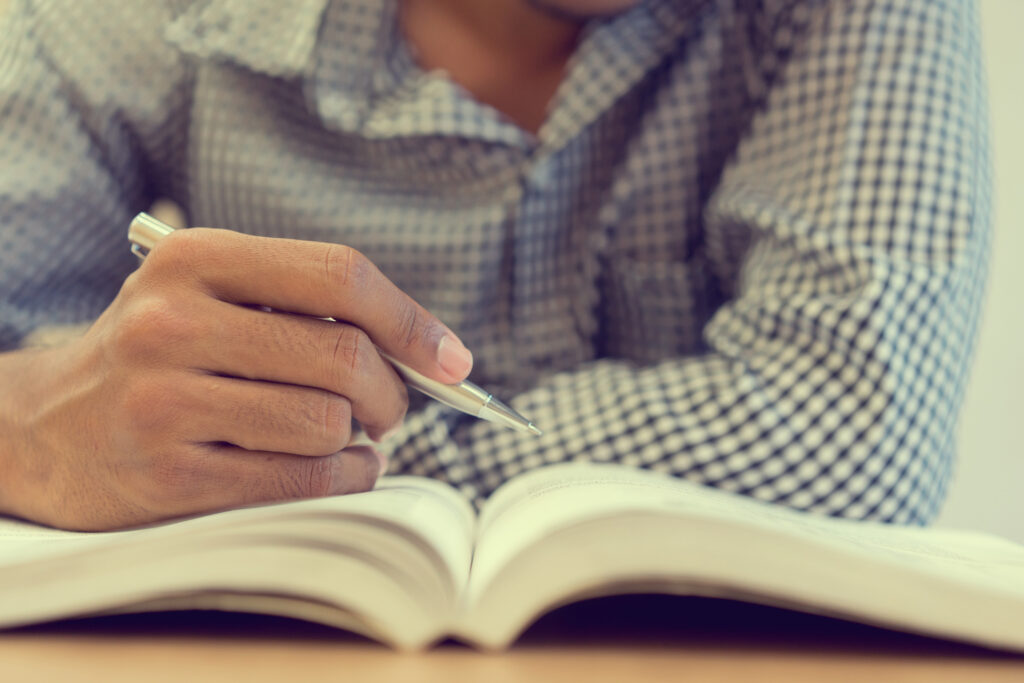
(747, 246)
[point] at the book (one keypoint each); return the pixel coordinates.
(411, 563)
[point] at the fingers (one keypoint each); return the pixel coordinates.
(315, 279)
(261, 416)
(210, 477)
(298, 350)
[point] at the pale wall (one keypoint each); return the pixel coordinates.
(986, 493)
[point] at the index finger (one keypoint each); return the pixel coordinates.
(318, 279)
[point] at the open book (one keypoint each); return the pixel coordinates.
(410, 563)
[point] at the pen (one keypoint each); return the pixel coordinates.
(145, 231)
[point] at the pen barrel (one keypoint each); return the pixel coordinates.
(464, 396)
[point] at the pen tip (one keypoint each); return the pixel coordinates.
(534, 429)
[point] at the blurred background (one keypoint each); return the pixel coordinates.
(988, 487)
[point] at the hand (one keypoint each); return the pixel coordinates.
(185, 396)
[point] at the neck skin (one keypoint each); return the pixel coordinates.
(506, 53)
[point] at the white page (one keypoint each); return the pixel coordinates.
(534, 505)
(51, 573)
(429, 508)
(692, 539)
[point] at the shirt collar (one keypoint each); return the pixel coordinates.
(268, 36)
(612, 58)
(379, 91)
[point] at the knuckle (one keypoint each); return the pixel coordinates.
(173, 472)
(411, 328)
(344, 266)
(153, 323)
(178, 253)
(335, 422)
(149, 406)
(171, 480)
(318, 477)
(348, 352)
(133, 285)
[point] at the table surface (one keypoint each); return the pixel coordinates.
(639, 638)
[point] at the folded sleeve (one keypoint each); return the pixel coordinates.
(88, 135)
(835, 371)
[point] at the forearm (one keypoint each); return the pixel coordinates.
(25, 378)
(865, 434)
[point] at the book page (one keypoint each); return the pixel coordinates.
(398, 555)
(534, 505)
(426, 507)
(571, 531)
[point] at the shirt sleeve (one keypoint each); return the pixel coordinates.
(835, 372)
(89, 134)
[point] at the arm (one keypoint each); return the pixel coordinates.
(182, 397)
(835, 373)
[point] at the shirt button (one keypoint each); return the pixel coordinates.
(542, 175)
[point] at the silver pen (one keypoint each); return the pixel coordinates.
(145, 231)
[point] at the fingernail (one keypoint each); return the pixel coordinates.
(453, 357)
(382, 459)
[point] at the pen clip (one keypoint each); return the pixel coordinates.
(144, 231)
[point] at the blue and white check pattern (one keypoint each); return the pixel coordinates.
(747, 247)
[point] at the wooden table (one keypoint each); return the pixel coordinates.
(622, 639)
